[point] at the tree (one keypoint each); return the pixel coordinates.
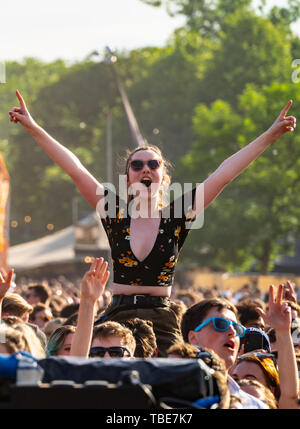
(257, 217)
(251, 50)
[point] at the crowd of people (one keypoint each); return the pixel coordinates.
(249, 338)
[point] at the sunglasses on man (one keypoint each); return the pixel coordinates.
(138, 165)
(221, 324)
(114, 352)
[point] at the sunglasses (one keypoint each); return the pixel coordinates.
(138, 165)
(114, 352)
(221, 324)
(267, 357)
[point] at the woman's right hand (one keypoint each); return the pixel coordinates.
(21, 114)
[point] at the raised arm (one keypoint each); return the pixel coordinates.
(238, 162)
(279, 318)
(91, 288)
(88, 186)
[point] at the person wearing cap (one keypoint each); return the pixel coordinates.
(255, 340)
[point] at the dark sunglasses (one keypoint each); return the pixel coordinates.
(138, 165)
(261, 356)
(221, 324)
(114, 352)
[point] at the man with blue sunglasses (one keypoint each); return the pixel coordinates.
(213, 324)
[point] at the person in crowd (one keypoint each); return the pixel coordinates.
(290, 293)
(279, 318)
(213, 323)
(69, 309)
(37, 294)
(60, 341)
(19, 336)
(52, 325)
(258, 367)
(56, 304)
(188, 297)
(72, 320)
(144, 335)
(183, 350)
(248, 315)
(5, 286)
(112, 340)
(92, 287)
(40, 315)
(259, 390)
(14, 305)
(148, 244)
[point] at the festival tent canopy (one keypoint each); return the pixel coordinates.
(61, 246)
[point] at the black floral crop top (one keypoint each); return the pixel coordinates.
(157, 269)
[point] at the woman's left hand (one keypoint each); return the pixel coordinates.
(283, 123)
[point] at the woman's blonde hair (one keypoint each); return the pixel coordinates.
(13, 304)
(20, 336)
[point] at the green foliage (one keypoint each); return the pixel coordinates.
(255, 217)
(218, 83)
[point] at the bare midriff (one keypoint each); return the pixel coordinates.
(119, 289)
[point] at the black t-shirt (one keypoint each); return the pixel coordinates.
(157, 269)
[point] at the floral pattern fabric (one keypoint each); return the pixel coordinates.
(158, 268)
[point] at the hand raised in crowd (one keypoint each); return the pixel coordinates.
(5, 282)
(289, 292)
(22, 115)
(94, 281)
(283, 123)
(279, 312)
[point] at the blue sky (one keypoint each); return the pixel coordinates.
(71, 29)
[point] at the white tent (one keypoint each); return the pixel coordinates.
(60, 247)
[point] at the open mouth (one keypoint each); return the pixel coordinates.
(230, 344)
(146, 181)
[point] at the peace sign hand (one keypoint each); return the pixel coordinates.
(279, 313)
(283, 123)
(22, 115)
(5, 282)
(94, 281)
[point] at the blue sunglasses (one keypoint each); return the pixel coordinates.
(221, 324)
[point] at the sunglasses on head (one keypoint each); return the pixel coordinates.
(114, 352)
(138, 165)
(221, 324)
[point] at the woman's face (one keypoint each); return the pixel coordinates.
(152, 178)
(66, 347)
(249, 370)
